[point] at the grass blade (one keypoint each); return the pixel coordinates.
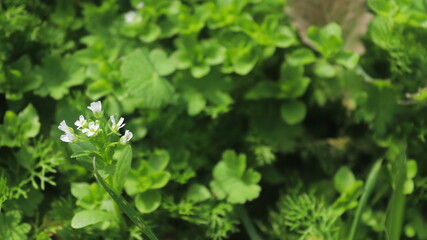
(247, 223)
(124, 206)
(396, 205)
(369, 187)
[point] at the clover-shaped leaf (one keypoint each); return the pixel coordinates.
(232, 181)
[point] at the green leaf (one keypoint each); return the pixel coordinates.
(124, 206)
(383, 7)
(82, 151)
(196, 102)
(144, 82)
(381, 32)
(344, 179)
(293, 112)
(123, 158)
(412, 169)
(301, 56)
(293, 83)
(408, 186)
(327, 40)
(161, 62)
(19, 78)
(11, 226)
(98, 89)
(29, 121)
(17, 129)
(233, 181)
(263, 90)
(89, 217)
(324, 69)
(396, 207)
(347, 59)
(284, 37)
(199, 70)
(245, 61)
(369, 187)
(214, 53)
(198, 193)
(59, 74)
(148, 201)
(159, 179)
(159, 160)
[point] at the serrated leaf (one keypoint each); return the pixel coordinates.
(144, 82)
(59, 74)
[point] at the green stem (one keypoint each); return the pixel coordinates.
(247, 223)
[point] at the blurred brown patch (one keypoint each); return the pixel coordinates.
(352, 15)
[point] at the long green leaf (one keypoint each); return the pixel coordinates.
(247, 223)
(369, 187)
(124, 206)
(396, 205)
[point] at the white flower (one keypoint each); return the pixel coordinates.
(140, 5)
(63, 126)
(125, 138)
(115, 127)
(132, 17)
(91, 130)
(68, 137)
(96, 108)
(81, 122)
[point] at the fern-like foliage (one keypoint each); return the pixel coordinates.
(303, 217)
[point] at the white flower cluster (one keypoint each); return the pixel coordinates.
(133, 17)
(91, 128)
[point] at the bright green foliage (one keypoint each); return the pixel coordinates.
(293, 112)
(89, 217)
(344, 179)
(12, 228)
(305, 95)
(304, 217)
(17, 129)
(233, 181)
(145, 82)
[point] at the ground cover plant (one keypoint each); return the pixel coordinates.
(217, 119)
